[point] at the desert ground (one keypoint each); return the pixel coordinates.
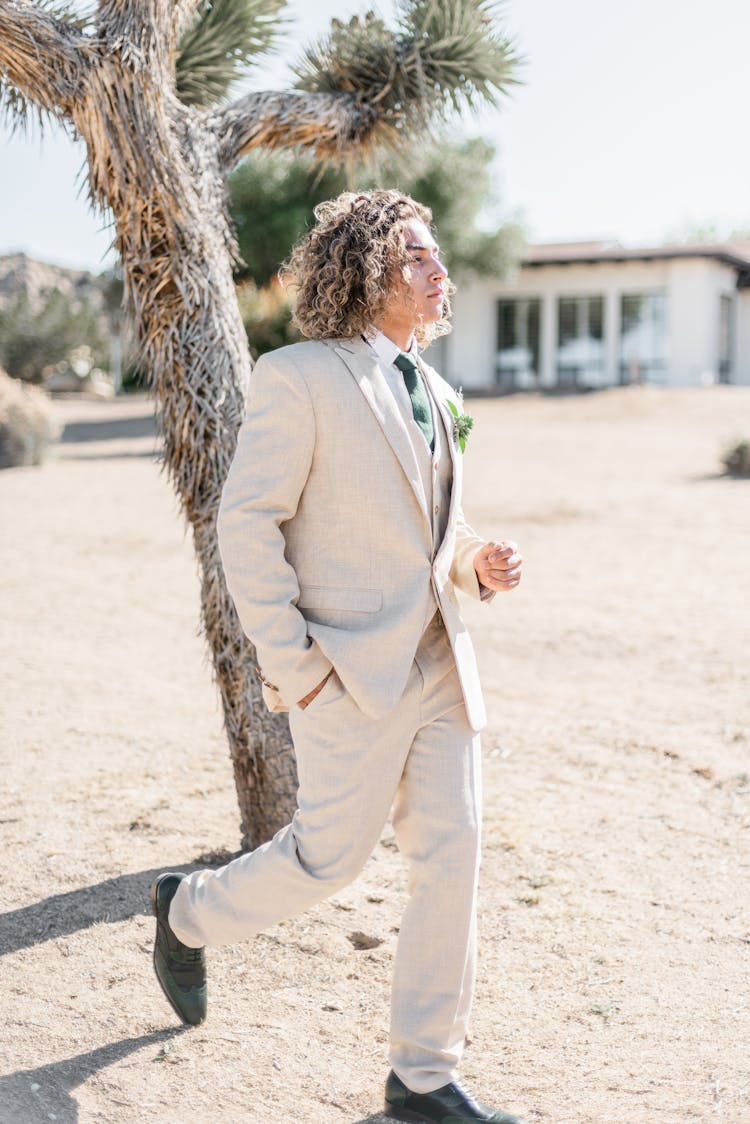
(615, 918)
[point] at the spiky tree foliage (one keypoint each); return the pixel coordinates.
(226, 40)
(158, 167)
(442, 52)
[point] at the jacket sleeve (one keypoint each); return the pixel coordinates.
(262, 491)
(462, 572)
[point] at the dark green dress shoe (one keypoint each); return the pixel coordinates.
(180, 970)
(451, 1104)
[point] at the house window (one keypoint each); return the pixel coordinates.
(517, 362)
(580, 341)
(726, 324)
(643, 338)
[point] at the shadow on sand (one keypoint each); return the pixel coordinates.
(704, 477)
(115, 899)
(108, 429)
(145, 454)
(44, 1093)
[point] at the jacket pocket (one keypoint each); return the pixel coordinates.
(336, 598)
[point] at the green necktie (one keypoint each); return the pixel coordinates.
(420, 403)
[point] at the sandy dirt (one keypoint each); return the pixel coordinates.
(615, 925)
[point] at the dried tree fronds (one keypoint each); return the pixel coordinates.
(226, 39)
(72, 14)
(444, 54)
(41, 60)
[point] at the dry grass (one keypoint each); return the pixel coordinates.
(615, 932)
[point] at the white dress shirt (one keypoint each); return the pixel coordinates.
(387, 351)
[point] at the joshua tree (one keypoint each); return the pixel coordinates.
(143, 83)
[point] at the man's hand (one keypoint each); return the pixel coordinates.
(498, 566)
(315, 691)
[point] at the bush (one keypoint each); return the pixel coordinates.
(736, 458)
(267, 316)
(27, 427)
(33, 339)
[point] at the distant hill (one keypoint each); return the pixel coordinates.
(20, 273)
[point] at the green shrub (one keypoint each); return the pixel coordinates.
(27, 427)
(736, 457)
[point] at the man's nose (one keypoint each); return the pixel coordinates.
(438, 270)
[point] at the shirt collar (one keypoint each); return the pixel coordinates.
(386, 350)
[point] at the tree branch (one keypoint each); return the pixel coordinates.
(333, 126)
(42, 57)
(183, 15)
(149, 25)
(142, 29)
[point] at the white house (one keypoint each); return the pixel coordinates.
(595, 314)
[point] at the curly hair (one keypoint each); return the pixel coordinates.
(345, 267)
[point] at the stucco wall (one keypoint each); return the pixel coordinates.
(693, 287)
(742, 338)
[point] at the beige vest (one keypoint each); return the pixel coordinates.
(437, 477)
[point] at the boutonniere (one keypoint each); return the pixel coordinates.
(462, 423)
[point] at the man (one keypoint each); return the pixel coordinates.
(343, 542)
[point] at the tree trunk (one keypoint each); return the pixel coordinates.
(159, 169)
(174, 238)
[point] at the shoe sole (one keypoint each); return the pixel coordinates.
(168, 997)
(410, 1117)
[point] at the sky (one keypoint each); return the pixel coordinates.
(628, 125)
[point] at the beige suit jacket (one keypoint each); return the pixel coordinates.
(325, 535)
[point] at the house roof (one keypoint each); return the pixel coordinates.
(735, 254)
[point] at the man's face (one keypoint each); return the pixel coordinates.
(419, 300)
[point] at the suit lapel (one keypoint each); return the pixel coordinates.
(364, 366)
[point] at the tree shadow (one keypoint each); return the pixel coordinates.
(109, 429)
(44, 1093)
(115, 899)
(149, 454)
(704, 477)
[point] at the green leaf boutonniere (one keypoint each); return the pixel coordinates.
(462, 425)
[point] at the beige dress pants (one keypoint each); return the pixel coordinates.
(424, 759)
